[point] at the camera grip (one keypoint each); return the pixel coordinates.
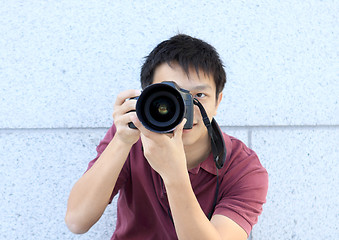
(131, 125)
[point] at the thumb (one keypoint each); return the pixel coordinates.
(177, 133)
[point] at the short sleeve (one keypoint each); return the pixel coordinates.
(243, 188)
(123, 176)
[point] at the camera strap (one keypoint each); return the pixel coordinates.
(218, 147)
(217, 140)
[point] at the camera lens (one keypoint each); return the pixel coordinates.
(162, 106)
(162, 109)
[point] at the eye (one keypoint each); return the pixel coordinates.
(200, 95)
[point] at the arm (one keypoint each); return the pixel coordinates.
(189, 219)
(91, 193)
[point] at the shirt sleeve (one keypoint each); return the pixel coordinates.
(243, 188)
(124, 174)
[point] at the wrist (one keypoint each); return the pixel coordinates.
(177, 179)
(122, 141)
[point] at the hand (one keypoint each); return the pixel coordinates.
(164, 152)
(122, 115)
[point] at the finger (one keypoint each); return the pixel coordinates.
(125, 119)
(177, 133)
(134, 118)
(144, 131)
(121, 98)
(128, 106)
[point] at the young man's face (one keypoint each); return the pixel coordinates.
(201, 87)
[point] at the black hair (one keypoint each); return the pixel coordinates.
(187, 52)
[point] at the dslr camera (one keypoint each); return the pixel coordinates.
(162, 106)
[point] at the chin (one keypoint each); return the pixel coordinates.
(188, 142)
(189, 138)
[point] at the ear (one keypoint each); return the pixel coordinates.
(218, 100)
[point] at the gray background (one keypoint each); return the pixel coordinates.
(62, 64)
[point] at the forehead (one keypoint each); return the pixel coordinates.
(191, 80)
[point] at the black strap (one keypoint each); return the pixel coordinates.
(217, 140)
(215, 198)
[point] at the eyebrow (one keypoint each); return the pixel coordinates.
(201, 87)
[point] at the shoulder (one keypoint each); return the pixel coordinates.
(239, 153)
(243, 169)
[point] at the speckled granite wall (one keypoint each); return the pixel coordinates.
(62, 64)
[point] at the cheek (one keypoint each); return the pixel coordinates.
(198, 117)
(196, 110)
(209, 108)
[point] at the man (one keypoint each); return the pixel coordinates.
(169, 186)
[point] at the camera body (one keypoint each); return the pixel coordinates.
(162, 106)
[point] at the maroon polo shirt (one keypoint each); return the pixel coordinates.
(143, 209)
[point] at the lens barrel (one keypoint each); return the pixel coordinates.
(162, 106)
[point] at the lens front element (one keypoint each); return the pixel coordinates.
(162, 109)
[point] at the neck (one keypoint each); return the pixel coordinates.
(197, 153)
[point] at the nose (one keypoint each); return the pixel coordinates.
(197, 114)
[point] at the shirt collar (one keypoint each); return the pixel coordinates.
(208, 165)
